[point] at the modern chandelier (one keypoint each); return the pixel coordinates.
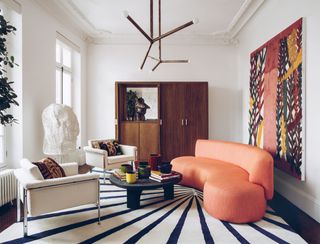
(161, 36)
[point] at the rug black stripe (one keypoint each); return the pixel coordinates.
(65, 228)
(88, 209)
(204, 227)
(105, 191)
(120, 227)
(282, 225)
(148, 228)
(268, 234)
(273, 213)
(142, 194)
(175, 234)
(234, 232)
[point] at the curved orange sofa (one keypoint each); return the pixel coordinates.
(236, 179)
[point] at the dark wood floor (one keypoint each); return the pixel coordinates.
(303, 224)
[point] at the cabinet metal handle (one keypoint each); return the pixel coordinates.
(186, 123)
(182, 122)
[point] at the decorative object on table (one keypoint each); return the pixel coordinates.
(7, 94)
(131, 98)
(161, 36)
(124, 168)
(61, 129)
(97, 157)
(277, 100)
(140, 109)
(144, 170)
(165, 167)
(154, 161)
(164, 177)
(131, 177)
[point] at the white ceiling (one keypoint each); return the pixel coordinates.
(103, 20)
(214, 15)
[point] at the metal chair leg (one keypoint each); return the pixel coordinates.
(104, 176)
(25, 213)
(98, 204)
(18, 203)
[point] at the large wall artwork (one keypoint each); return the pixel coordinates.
(276, 100)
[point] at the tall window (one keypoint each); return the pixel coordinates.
(2, 147)
(64, 73)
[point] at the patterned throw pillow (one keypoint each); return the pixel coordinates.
(95, 144)
(50, 169)
(118, 149)
(109, 147)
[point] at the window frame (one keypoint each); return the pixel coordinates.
(64, 69)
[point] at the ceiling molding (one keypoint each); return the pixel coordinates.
(73, 14)
(247, 10)
(182, 39)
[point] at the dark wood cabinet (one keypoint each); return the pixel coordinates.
(184, 114)
(182, 119)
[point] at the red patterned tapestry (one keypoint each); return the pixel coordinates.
(276, 108)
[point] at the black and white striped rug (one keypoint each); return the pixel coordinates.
(181, 220)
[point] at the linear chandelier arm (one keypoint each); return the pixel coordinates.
(151, 19)
(147, 54)
(139, 28)
(173, 31)
(154, 68)
(177, 61)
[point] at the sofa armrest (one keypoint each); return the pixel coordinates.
(89, 149)
(70, 168)
(128, 150)
(35, 184)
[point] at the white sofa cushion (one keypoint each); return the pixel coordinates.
(120, 158)
(32, 171)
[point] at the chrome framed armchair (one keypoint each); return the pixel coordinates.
(99, 158)
(41, 195)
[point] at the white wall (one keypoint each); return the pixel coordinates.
(273, 17)
(14, 133)
(38, 74)
(215, 64)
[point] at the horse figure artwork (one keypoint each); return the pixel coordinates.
(141, 109)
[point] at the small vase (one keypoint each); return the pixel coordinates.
(144, 171)
(154, 161)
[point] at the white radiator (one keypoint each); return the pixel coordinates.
(8, 186)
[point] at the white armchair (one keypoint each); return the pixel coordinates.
(99, 158)
(41, 195)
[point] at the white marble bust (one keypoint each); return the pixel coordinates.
(61, 129)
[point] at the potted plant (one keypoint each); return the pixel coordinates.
(7, 94)
(131, 103)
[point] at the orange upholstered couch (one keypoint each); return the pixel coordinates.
(236, 179)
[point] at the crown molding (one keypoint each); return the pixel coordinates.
(70, 13)
(56, 11)
(247, 10)
(13, 4)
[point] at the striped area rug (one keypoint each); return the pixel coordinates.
(181, 220)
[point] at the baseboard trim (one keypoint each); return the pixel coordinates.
(301, 199)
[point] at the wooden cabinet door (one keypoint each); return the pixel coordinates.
(149, 140)
(129, 134)
(196, 115)
(172, 110)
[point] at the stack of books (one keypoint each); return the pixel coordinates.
(159, 177)
(119, 174)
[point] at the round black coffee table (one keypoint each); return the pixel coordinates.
(134, 190)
